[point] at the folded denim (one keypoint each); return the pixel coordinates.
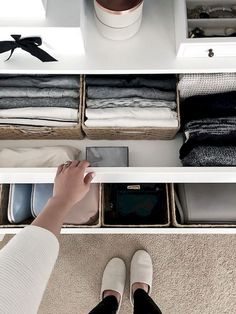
(40, 81)
(38, 122)
(38, 92)
(205, 84)
(208, 106)
(128, 102)
(122, 92)
(131, 113)
(163, 82)
(55, 113)
(211, 156)
(20, 102)
(51, 156)
(132, 123)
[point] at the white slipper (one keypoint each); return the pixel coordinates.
(141, 270)
(114, 277)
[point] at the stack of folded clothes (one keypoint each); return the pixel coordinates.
(208, 113)
(39, 100)
(130, 101)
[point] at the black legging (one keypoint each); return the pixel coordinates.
(143, 304)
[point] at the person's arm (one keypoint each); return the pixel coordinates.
(70, 187)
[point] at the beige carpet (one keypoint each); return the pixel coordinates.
(194, 274)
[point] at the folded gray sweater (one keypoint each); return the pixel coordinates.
(38, 92)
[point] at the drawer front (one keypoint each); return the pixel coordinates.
(209, 50)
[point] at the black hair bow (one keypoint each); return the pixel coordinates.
(29, 44)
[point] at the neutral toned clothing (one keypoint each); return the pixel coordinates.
(26, 263)
(37, 122)
(37, 157)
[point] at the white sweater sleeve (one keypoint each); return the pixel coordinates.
(26, 263)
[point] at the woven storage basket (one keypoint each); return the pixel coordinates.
(176, 221)
(33, 132)
(4, 223)
(105, 200)
(108, 133)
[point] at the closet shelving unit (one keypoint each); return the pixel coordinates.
(152, 50)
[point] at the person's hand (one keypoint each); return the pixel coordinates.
(70, 185)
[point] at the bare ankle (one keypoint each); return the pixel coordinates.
(108, 293)
(140, 285)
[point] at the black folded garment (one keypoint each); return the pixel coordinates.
(208, 106)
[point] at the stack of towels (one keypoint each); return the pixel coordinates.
(208, 114)
(39, 100)
(130, 101)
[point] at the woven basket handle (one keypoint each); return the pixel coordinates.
(36, 130)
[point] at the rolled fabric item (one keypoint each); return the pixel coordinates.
(211, 156)
(26, 263)
(38, 92)
(131, 113)
(128, 102)
(38, 156)
(52, 113)
(163, 82)
(208, 106)
(40, 81)
(206, 83)
(37, 122)
(19, 102)
(131, 123)
(125, 92)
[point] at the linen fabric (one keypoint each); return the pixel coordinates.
(37, 157)
(130, 113)
(204, 84)
(120, 92)
(131, 123)
(31, 92)
(26, 263)
(20, 102)
(40, 81)
(128, 102)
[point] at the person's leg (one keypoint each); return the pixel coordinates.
(141, 273)
(109, 305)
(143, 303)
(113, 283)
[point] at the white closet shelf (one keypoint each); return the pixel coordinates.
(134, 230)
(128, 175)
(152, 50)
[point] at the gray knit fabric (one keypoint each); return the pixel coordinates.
(218, 124)
(99, 92)
(129, 102)
(203, 84)
(20, 102)
(209, 156)
(38, 92)
(41, 81)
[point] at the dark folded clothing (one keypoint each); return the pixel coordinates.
(208, 138)
(21, 102)
(208, 106)
(162, 82)
(211, 124)
(40, 81)
(211, 156)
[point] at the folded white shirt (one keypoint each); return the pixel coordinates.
(38, 156)
(51, 113)
(131, 123)
(132, 113)
(37, 122)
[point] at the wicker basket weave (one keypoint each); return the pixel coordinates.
(4, 223)
(175, 220)
(108, 133)
(38, 132)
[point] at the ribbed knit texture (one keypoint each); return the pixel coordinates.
(26, 263)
